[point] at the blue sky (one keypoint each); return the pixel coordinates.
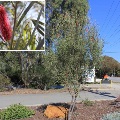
(106, 15)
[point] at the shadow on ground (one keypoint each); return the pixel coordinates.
(102, 93)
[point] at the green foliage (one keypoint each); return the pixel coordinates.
(111, 116)
(40, 83)
(50, 62)
(108, 65)
(4, 82)
(11, 65)
(25, 27)
(33, 69)
(76, 50)
(16, 111)
(78, 9)
(44, 71)
(87, 102)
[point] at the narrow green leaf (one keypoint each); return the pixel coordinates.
(30, 40)
(24, 35)
(39, 28)
(25, 12)
(40, 31)
(40, 44)
(41, 23)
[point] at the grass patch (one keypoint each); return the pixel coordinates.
(87, 102)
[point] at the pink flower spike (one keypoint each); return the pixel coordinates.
(5, 27)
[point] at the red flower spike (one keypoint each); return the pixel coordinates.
(5, 27)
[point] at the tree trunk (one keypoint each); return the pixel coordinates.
(71, 109)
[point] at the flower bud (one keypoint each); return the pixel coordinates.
(5, 27)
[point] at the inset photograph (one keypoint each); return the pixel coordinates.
(22, 25)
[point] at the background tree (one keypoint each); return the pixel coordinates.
(11, 66)
(33, 69)
(4, 81)
(108, 66)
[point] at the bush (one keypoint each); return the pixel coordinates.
(4, 82)
(39, 83)
(16, 111)
(87, 102)
(111, 116)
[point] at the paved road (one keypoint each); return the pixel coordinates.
(37, 99)
(113, 86)
(115, 79)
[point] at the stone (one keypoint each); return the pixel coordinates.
(55, 111)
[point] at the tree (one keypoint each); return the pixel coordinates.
(33, 69)
(37, 74)
(76, 55)
(76, 49)
(49, 63)
(11, 66)
(109, 66)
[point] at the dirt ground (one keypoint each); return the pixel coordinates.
(38, 91)
(31, 91)
(82, 112)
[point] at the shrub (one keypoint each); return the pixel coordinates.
(111, 116)
(4, 81)
(16, 111)
(87, 102)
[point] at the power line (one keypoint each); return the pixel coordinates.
(113, 13)
(115, 42)
(114, 32)
(108, 14)
(111, 52)
(118, 40)
(113, 24)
